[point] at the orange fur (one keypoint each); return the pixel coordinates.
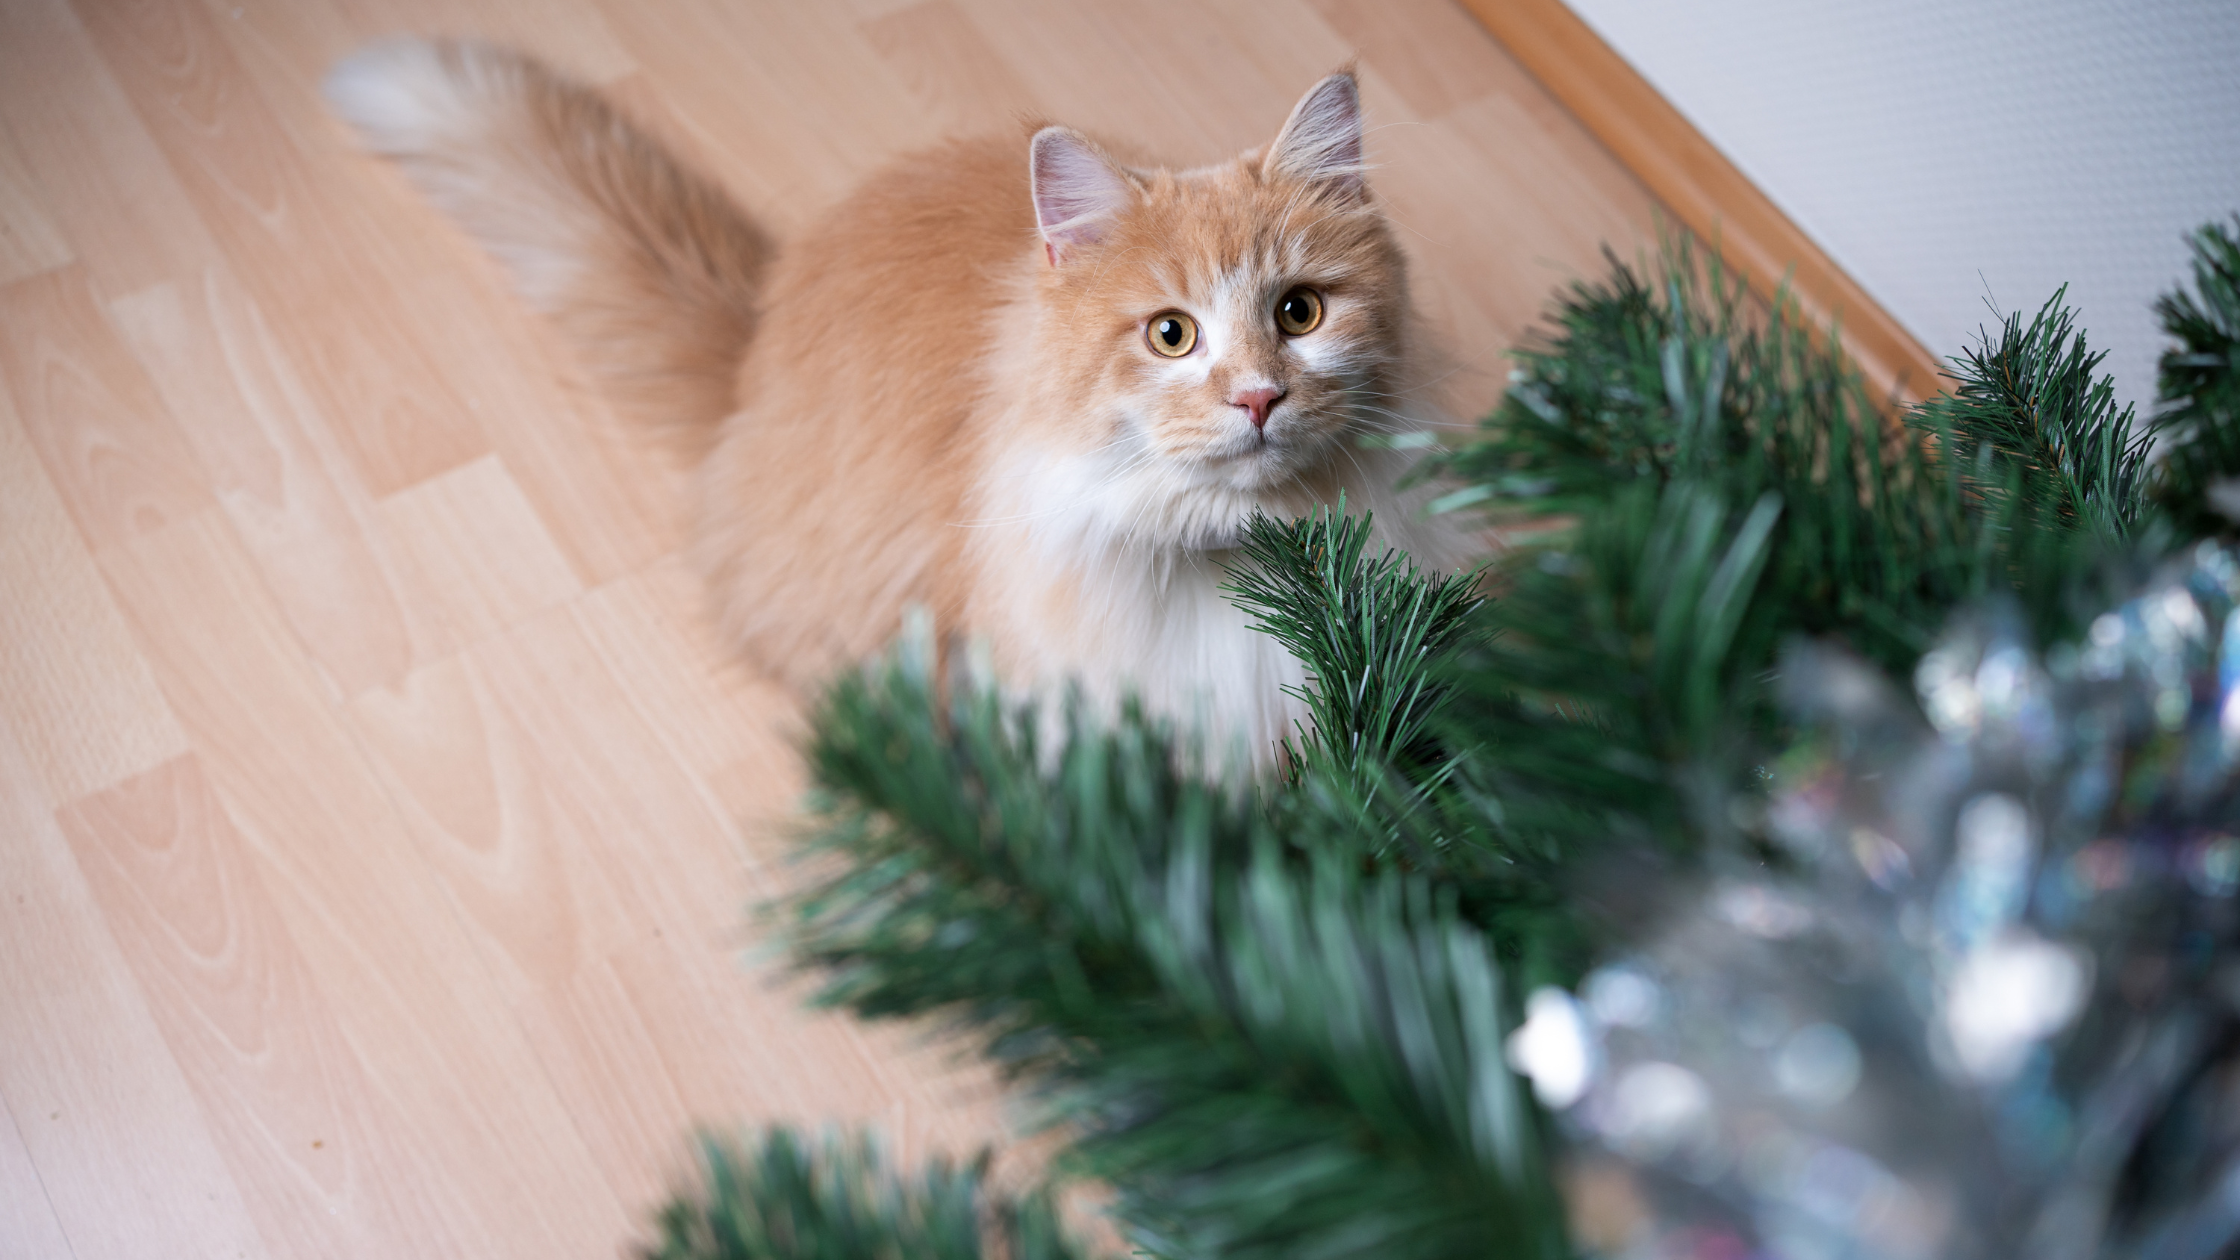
(947, 398)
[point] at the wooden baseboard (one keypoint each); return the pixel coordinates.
(1702, 189)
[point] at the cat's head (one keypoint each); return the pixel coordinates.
(1230, 329)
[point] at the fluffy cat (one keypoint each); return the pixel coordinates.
(1030, 387)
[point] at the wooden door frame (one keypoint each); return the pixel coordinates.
(1701, 189)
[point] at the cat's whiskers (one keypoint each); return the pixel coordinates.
(1399, 421)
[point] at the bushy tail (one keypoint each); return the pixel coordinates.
(649, 268)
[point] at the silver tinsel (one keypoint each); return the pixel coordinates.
(1987, 1004)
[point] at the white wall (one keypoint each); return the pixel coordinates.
(1946, 153)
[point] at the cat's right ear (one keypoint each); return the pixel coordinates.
(1320, 144)
(1077, 190)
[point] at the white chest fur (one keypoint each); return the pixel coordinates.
(1104, 572)
(1154, 626)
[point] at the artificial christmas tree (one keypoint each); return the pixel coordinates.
(1797, 964)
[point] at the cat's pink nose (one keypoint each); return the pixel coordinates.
(1258, 402)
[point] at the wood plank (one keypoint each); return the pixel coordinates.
(561, 822)
(437, 365)
(29, 240)
(940, 57)
(512, 845)
(287, 46)
(741, 1046)
(571, 33)
(1224, 88)
(108, 444)
(605, 888)
(733, 1037)
(734, 731)
(471, 555)
(291, 237)
(1703, 190)
(1429, 51)
(1498, 207)
(100, 176)
(121, 1150)
(288, 1100)
(72, 682)
(506, 1170)
(27, 1219)
(737, 78)
(286, 483)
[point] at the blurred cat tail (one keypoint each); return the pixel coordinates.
(650, 269)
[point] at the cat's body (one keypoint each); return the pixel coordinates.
(952, 392)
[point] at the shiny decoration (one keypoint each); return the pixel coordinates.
(1976, 996)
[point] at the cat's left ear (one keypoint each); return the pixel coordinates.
(1321, 143)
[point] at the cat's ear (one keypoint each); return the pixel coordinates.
(1321, 142)
(1077, 190)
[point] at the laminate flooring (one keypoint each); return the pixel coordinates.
(378, 822)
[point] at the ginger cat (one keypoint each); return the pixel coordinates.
(1030, 387)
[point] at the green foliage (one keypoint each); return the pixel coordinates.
(778, 1196)
(1723, 483)
(1368, 629)
(2031, 397)
(1613, 679)
(2200, 386)
(1271, 1019)
(1267, 1052)
(1373, 633)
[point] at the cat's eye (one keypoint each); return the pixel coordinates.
(1300, 312)
(1172, 334)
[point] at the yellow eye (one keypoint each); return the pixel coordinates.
(1300, 312)
(1172, 334)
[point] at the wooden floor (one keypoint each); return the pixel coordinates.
(377, 825)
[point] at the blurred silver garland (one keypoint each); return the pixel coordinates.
(1991, 1007)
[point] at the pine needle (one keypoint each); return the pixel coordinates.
(779, 1196)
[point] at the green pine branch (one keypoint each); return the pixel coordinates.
(1723, 483)
(1266, 1052)
(1613, 669)
(1373, 632)
(1370, 631)
(2199, 394)
(780, 1196)
(2031, 395)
